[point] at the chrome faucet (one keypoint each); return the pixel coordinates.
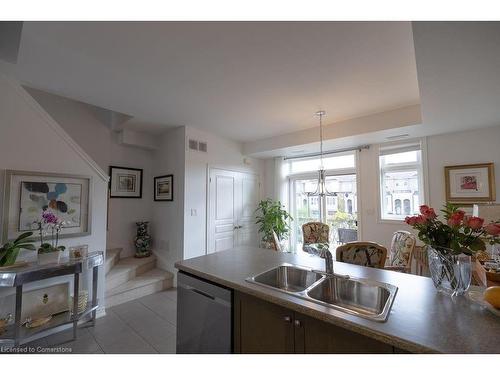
(323, 252)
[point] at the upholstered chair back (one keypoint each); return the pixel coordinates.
(367, 254)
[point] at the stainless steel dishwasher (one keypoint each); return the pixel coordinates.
(204, 316)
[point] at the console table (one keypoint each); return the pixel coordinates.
(15, 334)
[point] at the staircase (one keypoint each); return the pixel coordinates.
(131, 278)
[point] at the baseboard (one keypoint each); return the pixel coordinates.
(101, 312)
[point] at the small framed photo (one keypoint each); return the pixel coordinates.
(78, 252)
(125, 182)
(470, 183)
(164, 188)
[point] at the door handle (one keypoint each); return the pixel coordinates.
(287, 318)
(297, 323)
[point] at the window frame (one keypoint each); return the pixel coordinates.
(292, 177)
(422, 171)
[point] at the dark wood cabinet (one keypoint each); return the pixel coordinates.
(263, 327)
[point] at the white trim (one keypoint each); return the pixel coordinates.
(28, 99)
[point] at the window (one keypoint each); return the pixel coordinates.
(338, 211)
(329, 162)
(401, 185)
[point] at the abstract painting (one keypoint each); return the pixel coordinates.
(63, 199)
(470, 183)
(28, 194)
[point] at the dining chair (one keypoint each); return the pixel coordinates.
(367, 254)
(421, 261)
(401, 251)
(315, 232)
(276, 242)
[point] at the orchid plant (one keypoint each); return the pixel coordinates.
(49, 222)
(459, 233)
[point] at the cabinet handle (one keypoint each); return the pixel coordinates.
(287, 319)
(297, 323)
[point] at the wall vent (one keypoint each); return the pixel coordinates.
(202, 146)
(193, 145)
(196, 145)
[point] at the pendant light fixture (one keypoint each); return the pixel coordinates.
(321, 190)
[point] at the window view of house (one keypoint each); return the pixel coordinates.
(401, 192)
(340, 209)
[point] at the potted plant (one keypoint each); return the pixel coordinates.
(10, 250)
(272, 217)
(451, 243)
(49, 252)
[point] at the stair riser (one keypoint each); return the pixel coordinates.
(116, 280)
(136, 293)
(112, 260)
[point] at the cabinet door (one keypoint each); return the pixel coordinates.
(262, 327)
(315, 336)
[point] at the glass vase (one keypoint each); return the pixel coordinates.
(450, 273)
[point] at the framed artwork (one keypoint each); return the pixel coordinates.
(470, 183)
(125, 182)
(28, 194)
(164, 188)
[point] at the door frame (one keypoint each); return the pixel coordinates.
(207, 198)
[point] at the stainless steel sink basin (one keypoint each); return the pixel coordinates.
(366, 298)
(287, 278)
(361, 297)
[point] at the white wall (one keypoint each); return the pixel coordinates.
(222, 153)
(477, 146)
(82, 123)
(30, 140)
(168, 220)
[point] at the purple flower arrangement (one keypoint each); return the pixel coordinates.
(49, 222)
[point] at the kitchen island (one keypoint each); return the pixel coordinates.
(266, 320)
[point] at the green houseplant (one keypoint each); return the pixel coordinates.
(10, 250)
(271, 216)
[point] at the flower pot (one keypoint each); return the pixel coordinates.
(48, 258)
(451, 274)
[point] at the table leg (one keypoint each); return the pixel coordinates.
(95, 274)
(17, 323)
(76, 293)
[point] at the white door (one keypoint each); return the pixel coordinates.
(222, 212)
(233, 198)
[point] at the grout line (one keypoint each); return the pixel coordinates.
(160, 316)
(138, 333)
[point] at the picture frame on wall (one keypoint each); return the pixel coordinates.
(164, 188)
(28, 194)
(470, 183)
(125, 182)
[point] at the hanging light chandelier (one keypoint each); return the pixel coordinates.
(321, 189)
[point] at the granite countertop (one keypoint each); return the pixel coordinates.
(421, 320)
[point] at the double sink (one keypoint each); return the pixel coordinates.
(360, 297)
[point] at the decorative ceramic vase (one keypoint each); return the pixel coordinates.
(451, 274)
(48, 258)
(142, 240)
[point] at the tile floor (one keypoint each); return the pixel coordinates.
(145, 325)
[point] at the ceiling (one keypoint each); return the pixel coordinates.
(246, 81)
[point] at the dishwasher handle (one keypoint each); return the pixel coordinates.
(202, 293)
